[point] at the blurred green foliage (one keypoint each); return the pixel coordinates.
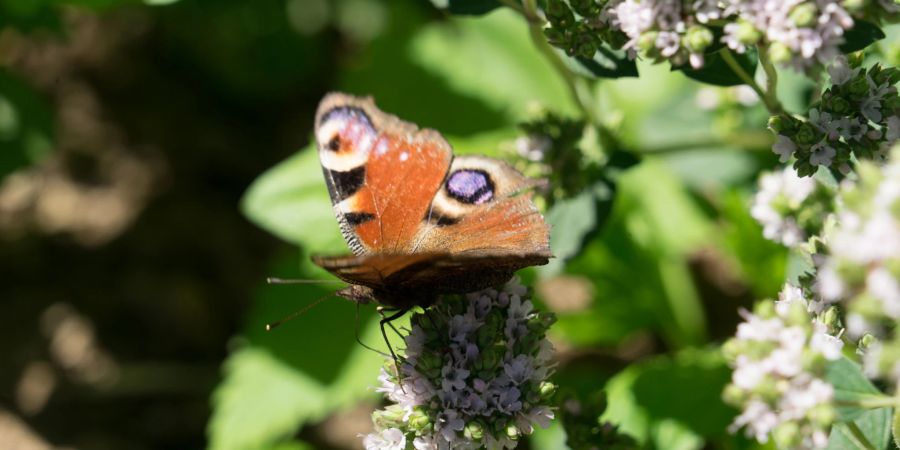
(636, 238)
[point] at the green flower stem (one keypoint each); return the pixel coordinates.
(770, 101)
(859, 438)
(771, 80)
(578, 87)
(871, 402)
(761, 140)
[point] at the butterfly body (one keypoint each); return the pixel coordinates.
(419, 221)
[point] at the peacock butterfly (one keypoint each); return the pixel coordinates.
(420, 221)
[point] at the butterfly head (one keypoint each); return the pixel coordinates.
(357, 294)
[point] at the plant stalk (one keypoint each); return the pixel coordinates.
(770, 101)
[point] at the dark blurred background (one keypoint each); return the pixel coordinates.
(132, 295)
(125, 262)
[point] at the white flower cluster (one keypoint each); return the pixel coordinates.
(779, 204)
(862, 269)
(798, 33)
(666, 29)
(859, 114)
(779, 355)
(795, 33)
(474, 375)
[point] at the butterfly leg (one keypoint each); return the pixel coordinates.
(386, 320)
(359, 340)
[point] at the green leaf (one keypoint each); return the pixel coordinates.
(606, 63)
(571, 220)
(491, 59)
(671, 402)
(637, 264)
(467, 7)
(291, 201)
(301, 371)
(261, 400)
(26, 125)
(895, 428)
(850, 385)
(862, 35)
(717, 72)
(875, 425)
(761, 262)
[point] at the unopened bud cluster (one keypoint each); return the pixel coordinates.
(862, 267)
(857, 116)
(798, 34)
(779, 355)
(474, 375)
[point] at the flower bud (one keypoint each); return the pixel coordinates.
(787, 435)
(806, 134)
(840, 105)
(547, 390)
(804, 15)
(747, 34)
(559, 14)
(473, 431)
(866, 341)
(734, 395)
(859, 86)
(776, 124)
(698, 38)
(585, 8)
(780, 53)
(822, 415)
(832, 318)
(419, 421)
(390, 417)
(512, 432)
(891, 103)
(855, 59)
(764, 309)
(429, 364)
(647, 41)
(555, 36)
(854, 5)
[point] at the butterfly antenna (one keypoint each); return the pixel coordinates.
(275, 280)
(297, 313)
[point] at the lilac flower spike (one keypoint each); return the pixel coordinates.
(474, 375)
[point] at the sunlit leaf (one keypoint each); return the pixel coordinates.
(875, 426)
(291, 201)
(850, 385)
(671, 402)
(895, 428)
(637, 264)
(491, 58)
(261, 400)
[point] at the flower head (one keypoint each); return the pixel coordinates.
(474, 374)
(778, 355)
(778, 204)
(862, 267)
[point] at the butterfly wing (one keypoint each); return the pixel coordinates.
(484, 207)
(412, 279)
(417, 219)
(381, 173)
(395, 190)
